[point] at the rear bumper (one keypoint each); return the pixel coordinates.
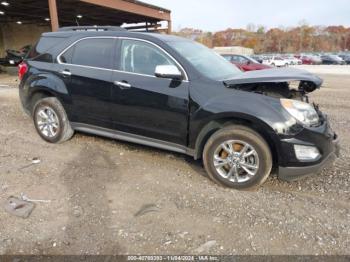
(23, 97)
(293, 173)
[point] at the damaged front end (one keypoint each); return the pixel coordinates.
(306, 142)
(287, 83)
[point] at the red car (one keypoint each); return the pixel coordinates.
(245, 63)
(310, 60)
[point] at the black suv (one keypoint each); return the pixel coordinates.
(175, 94)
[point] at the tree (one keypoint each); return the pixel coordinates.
(303, 38)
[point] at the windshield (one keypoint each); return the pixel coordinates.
(206, 61)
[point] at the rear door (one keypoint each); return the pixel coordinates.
(87, 68)
(143, 104)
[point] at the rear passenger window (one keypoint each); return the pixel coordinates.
(95, 52)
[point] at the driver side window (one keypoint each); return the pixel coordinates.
(142, 58)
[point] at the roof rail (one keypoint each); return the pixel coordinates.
(91, 28)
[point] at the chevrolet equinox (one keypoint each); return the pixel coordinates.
(175, 94)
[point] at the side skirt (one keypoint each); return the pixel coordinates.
(114, 134)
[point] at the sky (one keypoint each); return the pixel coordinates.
(216, 15)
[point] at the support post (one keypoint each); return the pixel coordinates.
(169, 27)
(53, 15)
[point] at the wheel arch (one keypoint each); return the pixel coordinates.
(38, 94)
(257, 125)
(44, 85)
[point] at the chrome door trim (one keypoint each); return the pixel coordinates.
(114, 70)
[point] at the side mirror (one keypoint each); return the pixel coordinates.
(168, 71)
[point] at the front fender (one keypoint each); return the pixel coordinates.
(262, 113)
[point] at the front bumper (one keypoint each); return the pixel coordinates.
(328, 144)
(293, 173)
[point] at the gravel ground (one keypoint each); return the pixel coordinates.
(327, 69)
(111, 197)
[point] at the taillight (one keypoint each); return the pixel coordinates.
(22, 69)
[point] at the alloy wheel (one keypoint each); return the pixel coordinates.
(236, 161)
(47, 122)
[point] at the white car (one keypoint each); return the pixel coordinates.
(292, 60)
(276, 61)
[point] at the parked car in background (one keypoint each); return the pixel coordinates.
(310, 60)
(14, 57)
(257, 58)
(346, 58)
(245, 63)
(332, 60)
(176, 94)
(275, 61)
(292, 60)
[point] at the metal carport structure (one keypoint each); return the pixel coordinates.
(60, 13)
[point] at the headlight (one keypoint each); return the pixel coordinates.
(301, 111)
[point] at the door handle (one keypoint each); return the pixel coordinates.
(122, 85)
(66, 73)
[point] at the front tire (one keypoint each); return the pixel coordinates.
(237, 157)
(51, 121)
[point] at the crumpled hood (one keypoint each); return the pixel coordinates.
(275, 75)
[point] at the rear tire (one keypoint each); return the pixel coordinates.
(51, 121)
(249, 150)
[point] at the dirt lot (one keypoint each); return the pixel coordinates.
(101, 190)
(327, 69)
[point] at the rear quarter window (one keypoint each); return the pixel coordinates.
(41, 51)
(66, 57)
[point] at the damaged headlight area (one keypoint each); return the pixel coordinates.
(303, 112)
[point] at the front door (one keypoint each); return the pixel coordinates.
(143, 104)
